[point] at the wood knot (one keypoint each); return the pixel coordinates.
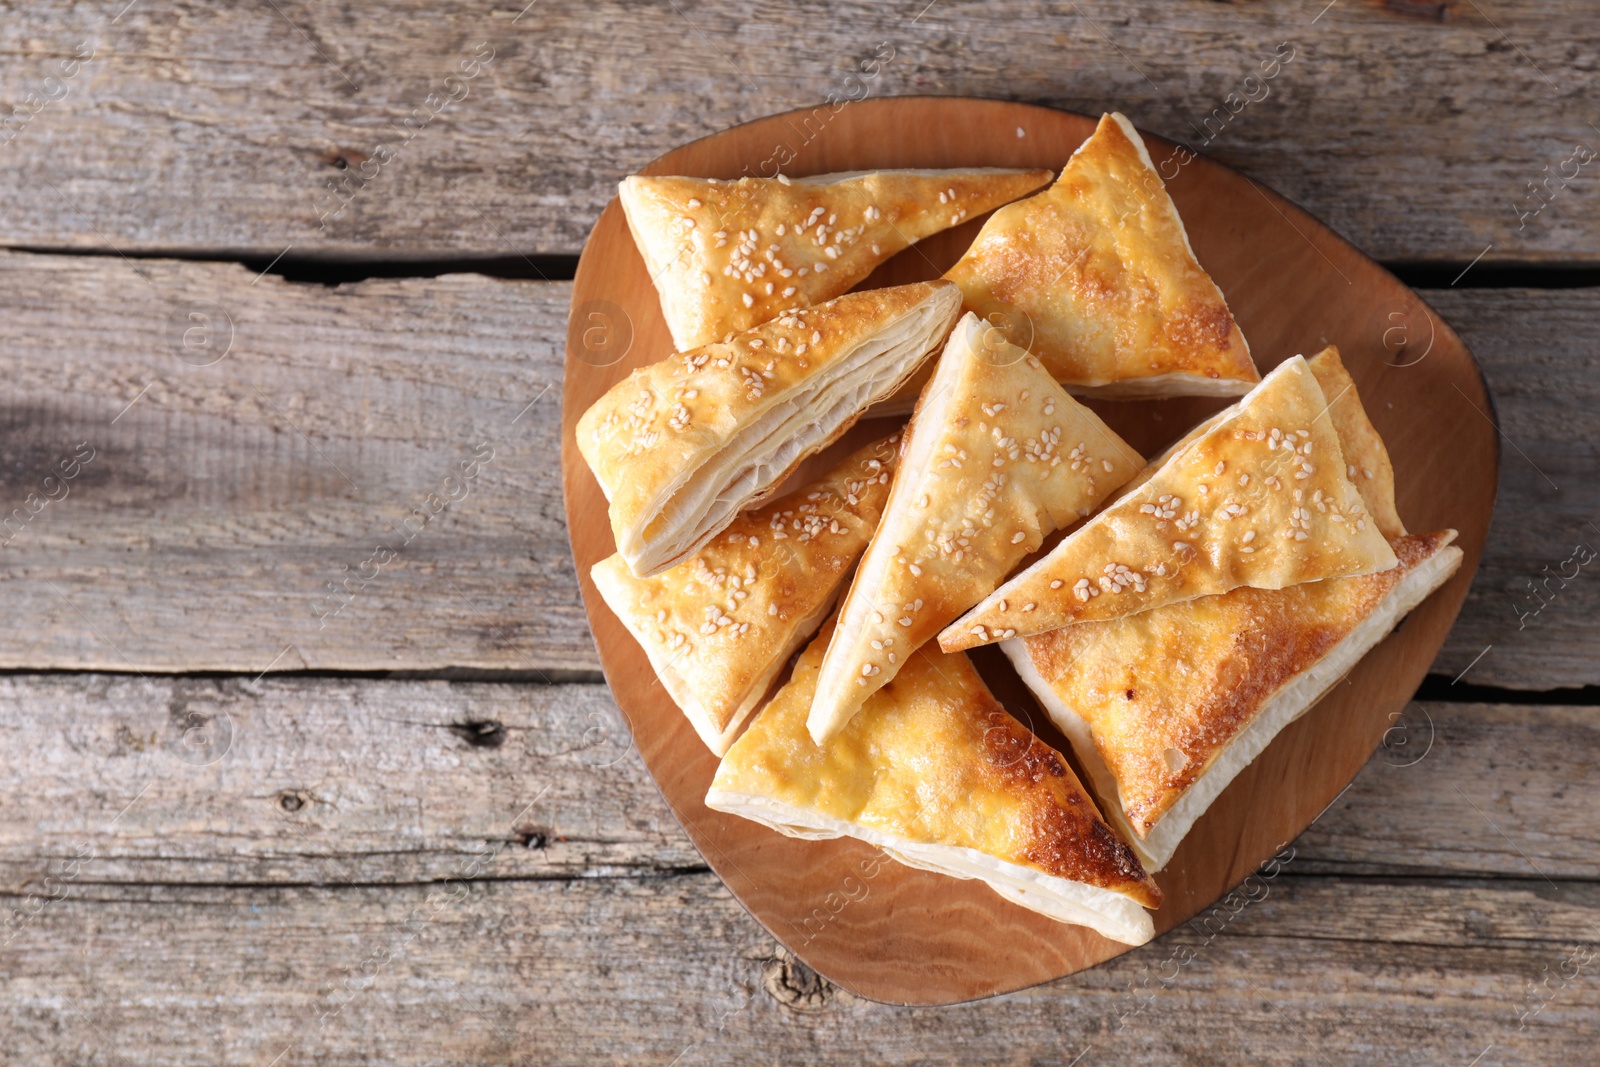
(481, 733)
(344, 158)
(292, 800)
(796, 986)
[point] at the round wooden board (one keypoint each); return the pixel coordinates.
(900, 935)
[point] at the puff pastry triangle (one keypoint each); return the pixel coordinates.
(727, 255)
(1260, 499)
(997, 456)
(719, 626)
(1096, 277)
(937, 774)
(1165, 708)
(1366, 460)
(682, 446)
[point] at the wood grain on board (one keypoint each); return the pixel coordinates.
(410, 128)
(296, 781)
(672, 971)
(204, 532)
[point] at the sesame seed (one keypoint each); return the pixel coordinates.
(694, 202)
(1056, 583)
(772, 609)
(749, 301)
(1018, 537)
(1003, 606)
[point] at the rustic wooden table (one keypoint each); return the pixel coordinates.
(273, 272)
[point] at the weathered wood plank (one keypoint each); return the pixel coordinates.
(308, 780)
(673, 971)
(1542, 359)
(223, 500)
(216, 509)
(233, 122)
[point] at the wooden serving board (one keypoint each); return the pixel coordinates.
(895, 934)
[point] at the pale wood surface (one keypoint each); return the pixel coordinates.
(205, 924)
(387, 788)
(202, 535)
(216, 925)
(1413, 136)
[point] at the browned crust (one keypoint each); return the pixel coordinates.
(1067, 836)
(1095, 311)
(1245, 646)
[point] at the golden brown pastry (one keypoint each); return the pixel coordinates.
(1165, 708)
(682, 446)
(996, 457)
(727, 255)
(1366, 460)
(719, 626)
(1260, 499)
(936, 773)
(1095, 276)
